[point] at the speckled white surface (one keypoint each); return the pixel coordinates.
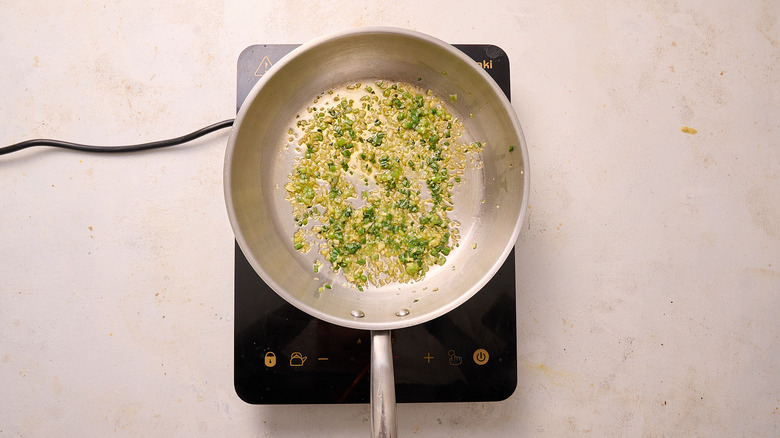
(649, 265)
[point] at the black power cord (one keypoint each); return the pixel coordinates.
(128, 148)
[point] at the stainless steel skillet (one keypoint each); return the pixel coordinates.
(490, 204)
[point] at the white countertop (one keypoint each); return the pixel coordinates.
(649, 264)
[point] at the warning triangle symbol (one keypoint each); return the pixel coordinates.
(265, 64)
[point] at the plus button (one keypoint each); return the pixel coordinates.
(428, 357)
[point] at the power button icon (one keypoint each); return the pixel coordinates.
(481, 356)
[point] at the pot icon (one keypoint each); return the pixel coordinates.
(297, 359)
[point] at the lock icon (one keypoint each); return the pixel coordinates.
(270, 359)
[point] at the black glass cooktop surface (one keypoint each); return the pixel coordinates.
(284, 356)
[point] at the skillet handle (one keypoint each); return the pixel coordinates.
(383, 419)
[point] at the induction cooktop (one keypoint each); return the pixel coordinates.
(284, 356)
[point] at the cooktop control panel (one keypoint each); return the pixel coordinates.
(284, 356)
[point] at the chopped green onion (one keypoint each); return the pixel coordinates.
(402, 145)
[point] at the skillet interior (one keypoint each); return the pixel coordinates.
(490, 203)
